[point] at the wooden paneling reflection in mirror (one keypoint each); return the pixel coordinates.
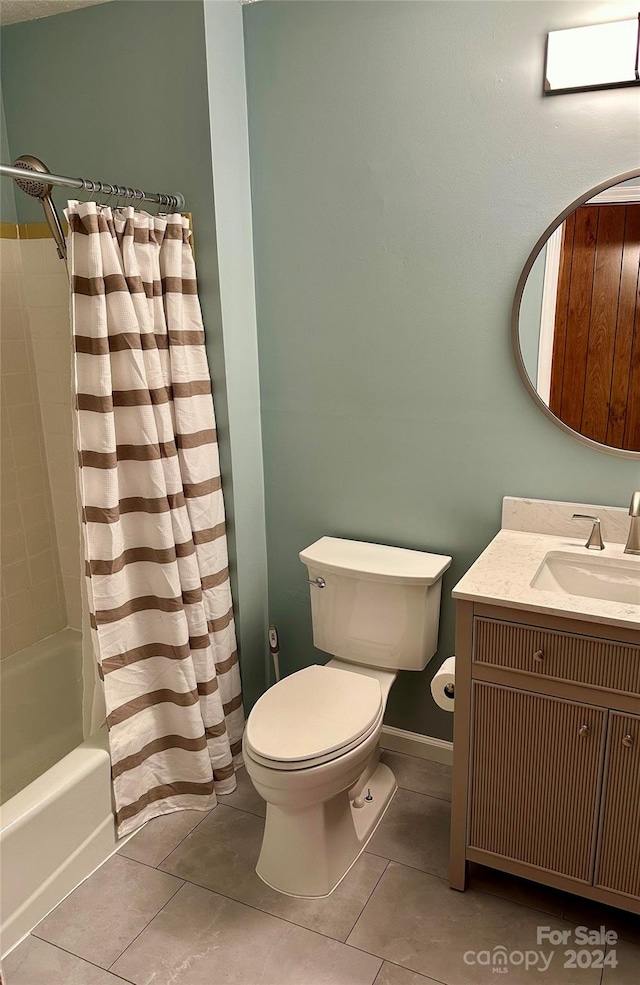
(576, 321)
(595, 368)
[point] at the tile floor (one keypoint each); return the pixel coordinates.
(180, 904)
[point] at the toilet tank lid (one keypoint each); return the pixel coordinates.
(375, 561)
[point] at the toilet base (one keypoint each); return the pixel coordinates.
(306, 853)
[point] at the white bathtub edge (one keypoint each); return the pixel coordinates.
(73, 768)
(78, 867)
(55, 834)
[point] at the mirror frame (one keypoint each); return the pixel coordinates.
(515, 316)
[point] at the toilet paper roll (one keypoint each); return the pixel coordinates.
(442, 685)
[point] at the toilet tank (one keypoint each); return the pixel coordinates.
(380, 606)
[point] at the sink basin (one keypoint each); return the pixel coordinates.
(593, 577)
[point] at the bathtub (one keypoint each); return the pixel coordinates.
(41, 703)
(59, 826)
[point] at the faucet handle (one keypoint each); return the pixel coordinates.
(595, 538)
(633, 540)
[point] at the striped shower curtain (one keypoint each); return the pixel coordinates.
(153, 514)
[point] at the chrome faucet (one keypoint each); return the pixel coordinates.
(633, 540)
(595, 537)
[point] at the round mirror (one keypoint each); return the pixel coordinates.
(576, 318)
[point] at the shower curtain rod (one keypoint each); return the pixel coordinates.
(102, 188)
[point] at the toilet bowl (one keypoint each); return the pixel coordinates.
(312, 742)
(311, 749)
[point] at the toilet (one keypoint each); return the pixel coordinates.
(312, 741)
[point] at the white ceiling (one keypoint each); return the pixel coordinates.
(12, 11)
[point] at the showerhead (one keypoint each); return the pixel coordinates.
(42, 190)
(38, 189)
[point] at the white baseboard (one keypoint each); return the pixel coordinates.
(414, 744)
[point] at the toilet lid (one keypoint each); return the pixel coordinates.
(314, 712)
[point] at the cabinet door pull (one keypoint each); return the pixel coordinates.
(538, 656)
(627, 740)
(584, 731)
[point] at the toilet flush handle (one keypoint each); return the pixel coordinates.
(317, 582)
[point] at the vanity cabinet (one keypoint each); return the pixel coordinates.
(534, 778)
(547, 751)
(618, 858)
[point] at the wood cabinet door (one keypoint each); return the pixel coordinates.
(618, 859)
(536, 778)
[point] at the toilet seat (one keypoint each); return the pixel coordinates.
(313, 717)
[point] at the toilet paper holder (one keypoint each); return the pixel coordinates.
(443, 685)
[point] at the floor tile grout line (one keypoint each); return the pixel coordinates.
(267, 913)
(201, 821)
(243, 809)
(576, 919)
(182, 884)
(611, 947)
(417, 868)
(193, 829)
(378, 974)
(346, 944)
(177, 845)
(184, 837)
(258, 909)
(366, 902)
(385, 750)
(276, 916)
(507, 899)
(128, 981)
(367, 851)
(421, 793)
(283, 919)
(475, 889)
(72, 954)
(154, 868)
(405, 968)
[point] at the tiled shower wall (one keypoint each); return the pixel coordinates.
(32, 591)
(46, 292)
(40, 584)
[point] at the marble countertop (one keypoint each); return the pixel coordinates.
(503, 573)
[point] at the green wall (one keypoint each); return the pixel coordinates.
(119, 92)
(230, 160)
(404, 162)
(7, 193)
